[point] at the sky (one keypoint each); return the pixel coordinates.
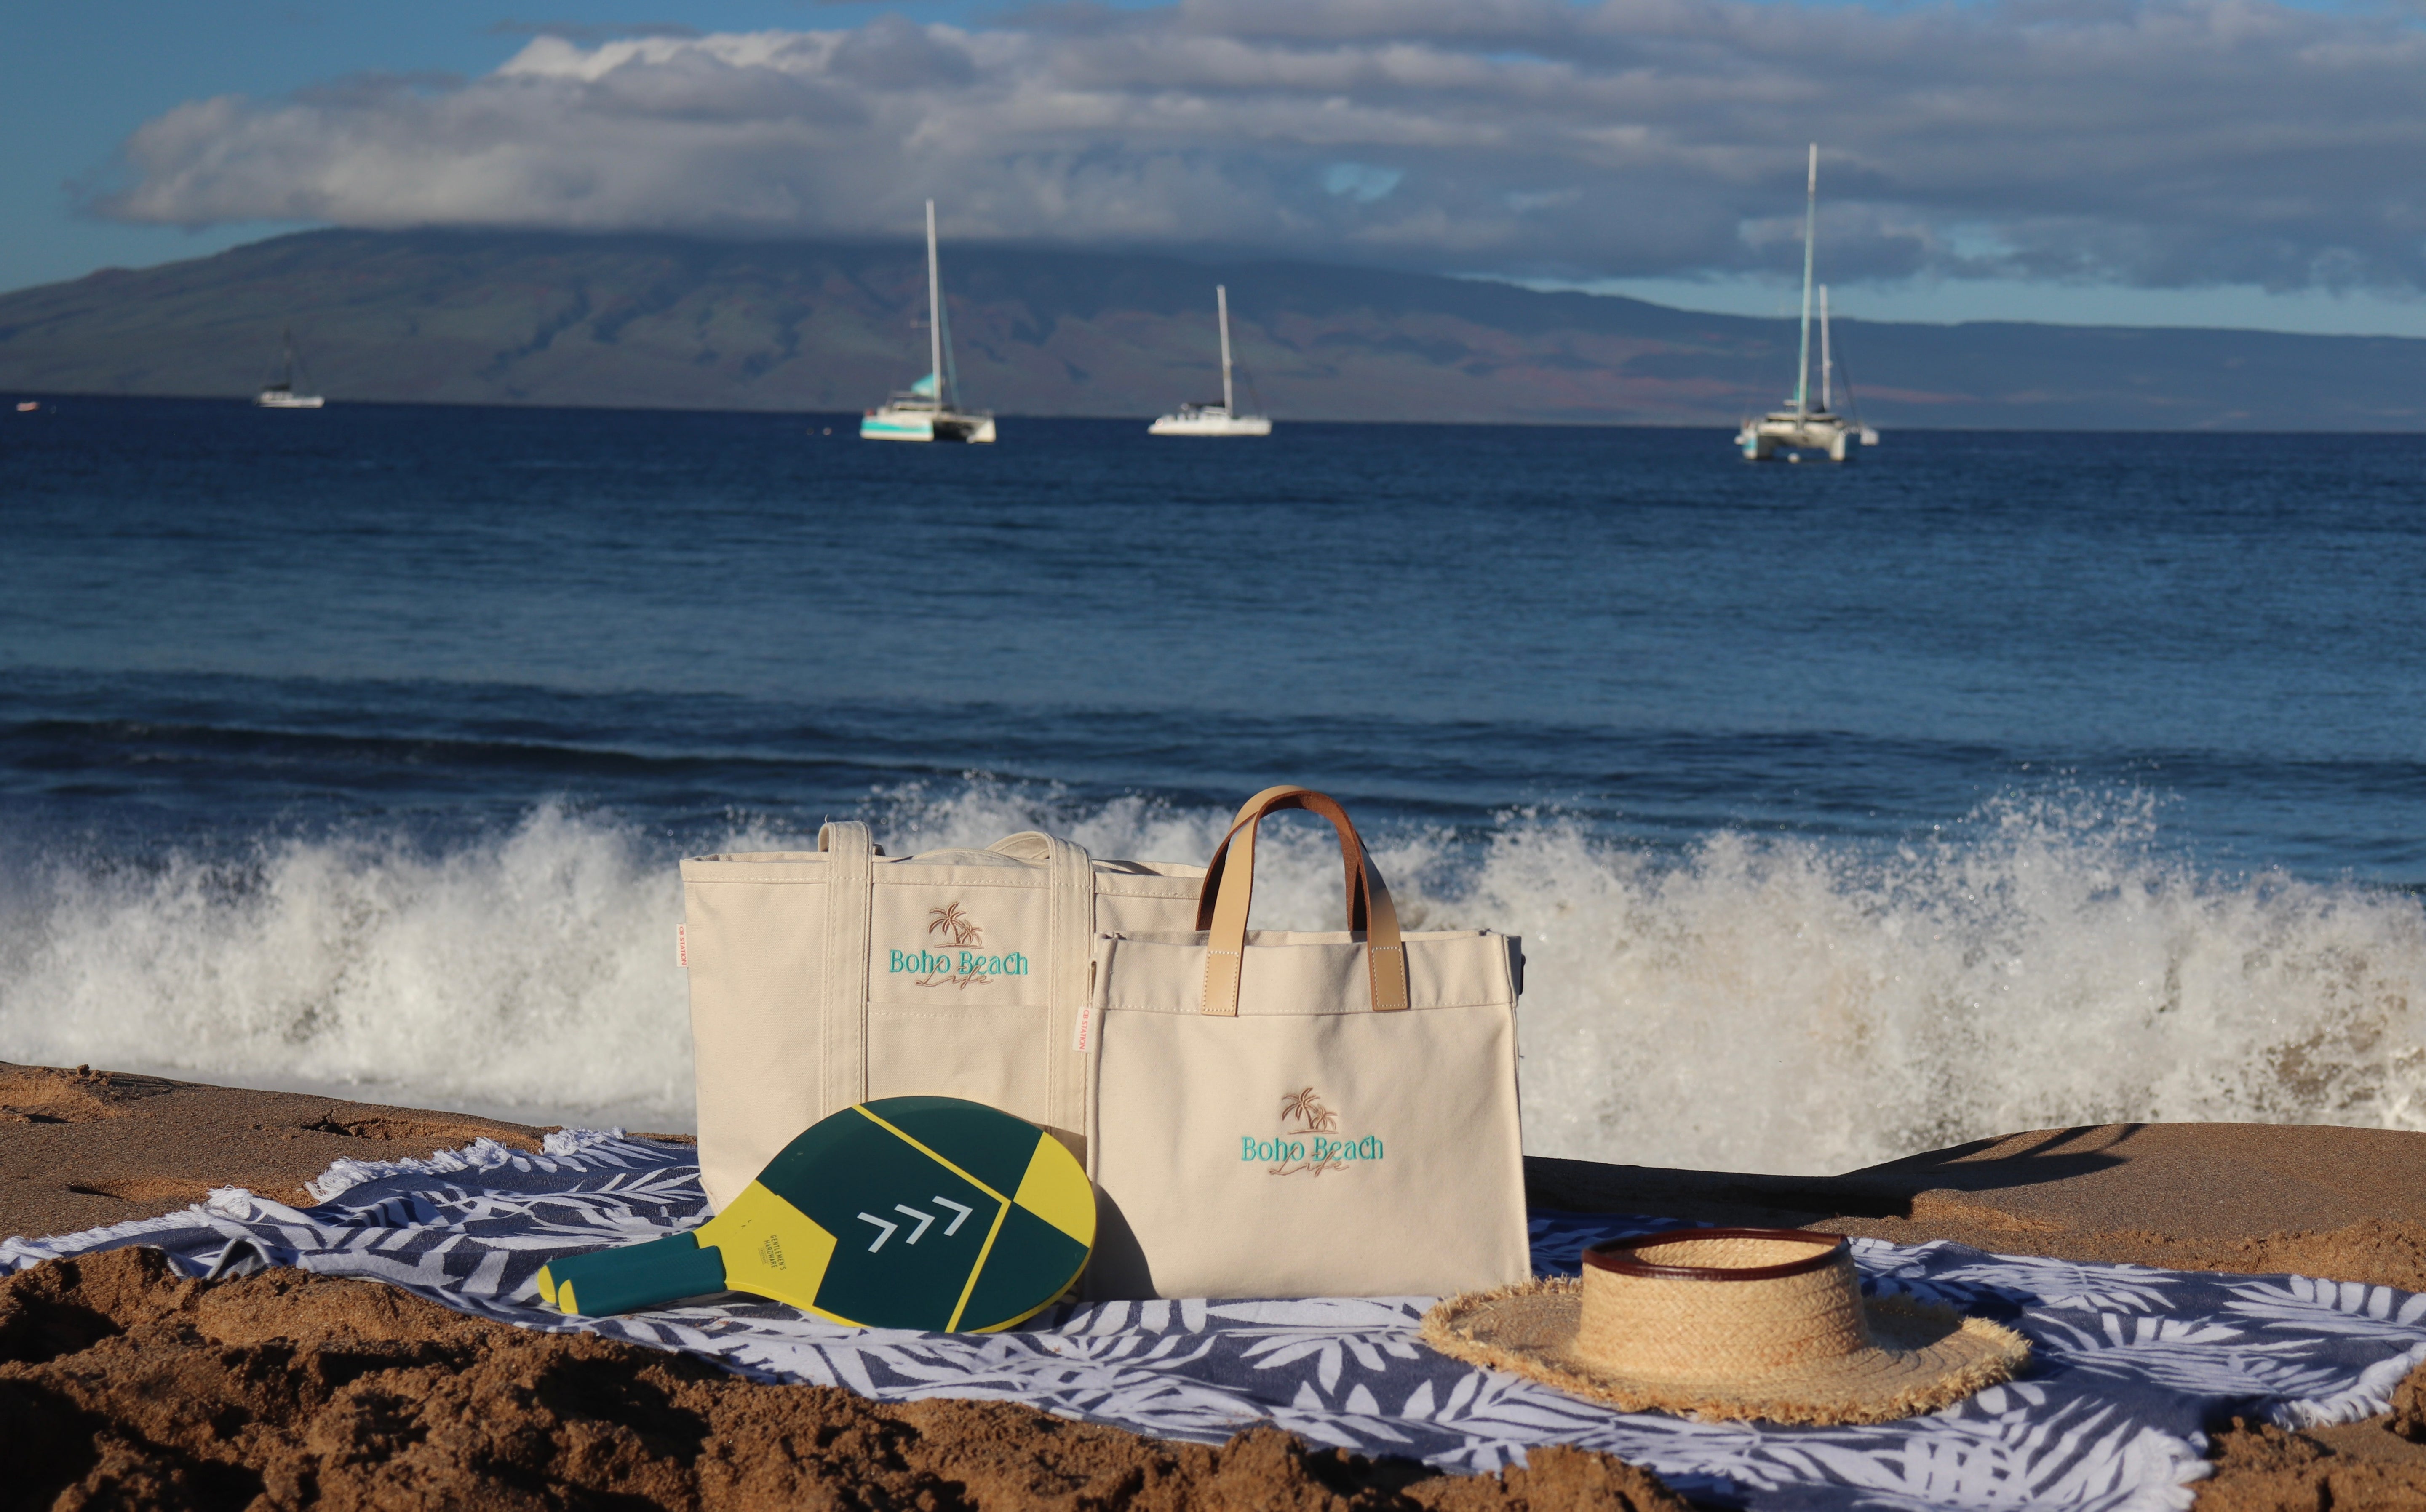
(2190, 161)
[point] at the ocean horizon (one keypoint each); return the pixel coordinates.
(818, 420)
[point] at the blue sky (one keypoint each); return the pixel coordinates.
(2227, 163)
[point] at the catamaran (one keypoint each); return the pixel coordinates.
(280, 392)
(1790, 433)
(1221, 419)
(930, 410)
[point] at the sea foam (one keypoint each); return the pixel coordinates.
(1751, 1003)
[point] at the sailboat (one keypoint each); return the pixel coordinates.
(930, 410)
(1865, 434)
(1788, 432)
(1221, 419)
(280, 392)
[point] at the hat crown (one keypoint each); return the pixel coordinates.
(1720, 1302)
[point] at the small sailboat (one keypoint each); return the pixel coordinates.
(930, 410)
(1790, 433)
(1221, 419)
(279, 394)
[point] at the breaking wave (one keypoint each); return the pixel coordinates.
(1754, 1003)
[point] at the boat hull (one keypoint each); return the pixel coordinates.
(1211, 425)
(1788, 436)
(274, 399)
(922, 425)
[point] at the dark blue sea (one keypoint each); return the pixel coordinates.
(1999, 780)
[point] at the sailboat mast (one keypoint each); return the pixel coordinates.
(1827, 364)
(1810, 227)
(1222, 303)
(935, 311)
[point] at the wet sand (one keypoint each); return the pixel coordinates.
(120, 1384)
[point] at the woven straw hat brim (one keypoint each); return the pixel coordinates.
(1928, 1358)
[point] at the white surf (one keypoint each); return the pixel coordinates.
(1756, 1004)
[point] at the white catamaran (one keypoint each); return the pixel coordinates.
(1788, 432)
(279, 394)
(930, 410)
(1221, 419)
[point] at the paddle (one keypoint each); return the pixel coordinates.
(903, 1213)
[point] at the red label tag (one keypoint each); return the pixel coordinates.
(682, 946)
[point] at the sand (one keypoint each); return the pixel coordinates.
(81, 1148)
(121, 1385)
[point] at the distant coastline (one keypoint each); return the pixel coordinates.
(659, 322)
(839, 425)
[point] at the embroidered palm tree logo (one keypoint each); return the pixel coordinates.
(1305, 1107)
(949, 919)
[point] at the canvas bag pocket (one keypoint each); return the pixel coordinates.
(1282, 1115)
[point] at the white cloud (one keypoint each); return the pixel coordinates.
(2175, 143)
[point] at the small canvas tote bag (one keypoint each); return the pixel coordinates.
(823, 978)
(1282, 1115)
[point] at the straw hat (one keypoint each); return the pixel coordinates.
(1730, 1323)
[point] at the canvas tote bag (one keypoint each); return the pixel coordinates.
(1282, 1115)
(823, 978)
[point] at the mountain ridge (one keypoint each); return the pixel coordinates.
(665, 321)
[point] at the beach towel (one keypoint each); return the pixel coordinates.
(2130, 1364)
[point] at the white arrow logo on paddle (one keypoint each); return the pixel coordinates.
(961, 1212)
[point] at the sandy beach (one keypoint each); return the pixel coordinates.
(123, 1384)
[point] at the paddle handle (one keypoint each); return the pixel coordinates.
(606, 1281)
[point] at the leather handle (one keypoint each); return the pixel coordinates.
(1268, 802)
(1223, 911)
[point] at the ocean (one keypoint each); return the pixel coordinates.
(2002, 780)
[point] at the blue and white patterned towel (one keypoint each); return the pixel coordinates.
(2130, 1364)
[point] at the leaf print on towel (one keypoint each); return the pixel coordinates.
(2299, 1302)
(1923, 1273)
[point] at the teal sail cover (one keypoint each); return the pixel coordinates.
(925, 387)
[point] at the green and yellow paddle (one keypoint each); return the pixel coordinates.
(904, 1213)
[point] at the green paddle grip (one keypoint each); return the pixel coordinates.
(624, 1280)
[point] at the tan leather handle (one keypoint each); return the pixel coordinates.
(1223, 910)
(1267, 802)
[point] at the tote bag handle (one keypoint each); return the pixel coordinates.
(1224, 911)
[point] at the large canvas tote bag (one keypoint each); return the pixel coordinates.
(1304, 1115)
(823, 978)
